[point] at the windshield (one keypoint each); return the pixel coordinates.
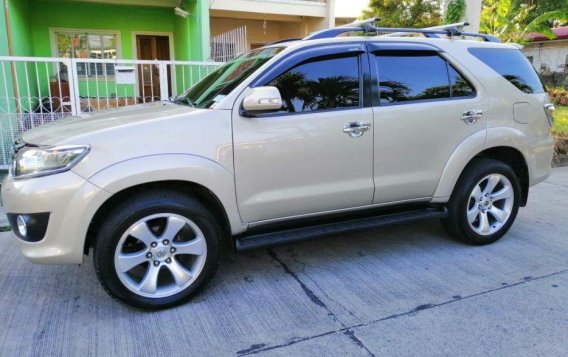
(217, 85)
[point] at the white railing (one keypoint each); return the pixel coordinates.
(230, 44)
(38, 90)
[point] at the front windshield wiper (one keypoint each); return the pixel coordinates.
(184, 100)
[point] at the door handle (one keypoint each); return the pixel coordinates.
(471, 116)
(356, 129)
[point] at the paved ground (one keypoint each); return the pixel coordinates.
(407, 290)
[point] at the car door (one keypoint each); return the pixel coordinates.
(424, 108)
(316, 153)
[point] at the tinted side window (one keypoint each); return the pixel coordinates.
(319, 84)
(512, 65)
(411, 76)
(460, 87)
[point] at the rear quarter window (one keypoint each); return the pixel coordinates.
(512, 65)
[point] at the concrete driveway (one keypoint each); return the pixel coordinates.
(406, 290)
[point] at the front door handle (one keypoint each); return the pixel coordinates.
(356, 129)
(471, 116)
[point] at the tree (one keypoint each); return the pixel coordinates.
(540, 7)
(511, 23)
(406, 13)
(454, 11)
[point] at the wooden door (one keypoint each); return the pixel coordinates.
(151, 47)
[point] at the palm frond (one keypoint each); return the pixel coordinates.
(561, 15)
(544, 30)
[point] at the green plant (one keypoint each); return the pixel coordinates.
(558, 96)
(511, 23)
(408, 13)
(561, 120)
(542, 6)
(455, 11)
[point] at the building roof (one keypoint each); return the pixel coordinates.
(561, 34)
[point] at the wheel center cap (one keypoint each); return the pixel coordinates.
(161, 253)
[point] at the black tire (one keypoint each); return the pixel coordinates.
(457, 223)
(123, 216)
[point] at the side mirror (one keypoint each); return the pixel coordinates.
(262, 99)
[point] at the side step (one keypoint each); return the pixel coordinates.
(261, 240)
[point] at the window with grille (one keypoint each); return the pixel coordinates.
(79, 44)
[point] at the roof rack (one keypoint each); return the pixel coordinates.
(367, 26)
(458, 25)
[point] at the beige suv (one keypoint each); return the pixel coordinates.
(295, 140)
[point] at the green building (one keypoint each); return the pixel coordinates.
(103, 29)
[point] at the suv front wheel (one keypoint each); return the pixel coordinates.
(484, 203)
(157, 249)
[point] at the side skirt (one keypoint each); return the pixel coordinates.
(254, 240)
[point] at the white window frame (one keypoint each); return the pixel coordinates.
(53, 40)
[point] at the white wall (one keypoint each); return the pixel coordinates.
(349, 8)
(548, 57)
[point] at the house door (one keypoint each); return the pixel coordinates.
(151, 47)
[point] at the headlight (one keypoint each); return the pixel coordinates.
(42, 161)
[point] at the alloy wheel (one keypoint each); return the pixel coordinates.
(160, 255)
(490, 204)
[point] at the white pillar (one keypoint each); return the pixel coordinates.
(330, 13)
(472, 15)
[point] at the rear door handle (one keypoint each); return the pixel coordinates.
(471, 116)
(356, 129)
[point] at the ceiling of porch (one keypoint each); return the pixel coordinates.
(155, 3)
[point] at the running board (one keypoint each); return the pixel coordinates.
(255, 241)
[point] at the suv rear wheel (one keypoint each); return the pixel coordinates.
(157, 249)
(484, 203)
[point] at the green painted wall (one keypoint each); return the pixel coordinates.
(21, 34)
(191, 35)
(20, 21)
(80, 15)
(3, 52)
(22, 45)
(3, 35)
(6, 121)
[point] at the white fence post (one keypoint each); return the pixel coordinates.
(163, 71)
(74, 87)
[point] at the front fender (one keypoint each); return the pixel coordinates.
(174, 167)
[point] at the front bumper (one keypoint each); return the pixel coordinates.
(71, 202)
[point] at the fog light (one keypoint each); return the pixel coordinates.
(30, 227)
(22, 227)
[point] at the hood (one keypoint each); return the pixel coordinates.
(63, 130)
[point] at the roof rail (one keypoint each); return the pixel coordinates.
(367, 26)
